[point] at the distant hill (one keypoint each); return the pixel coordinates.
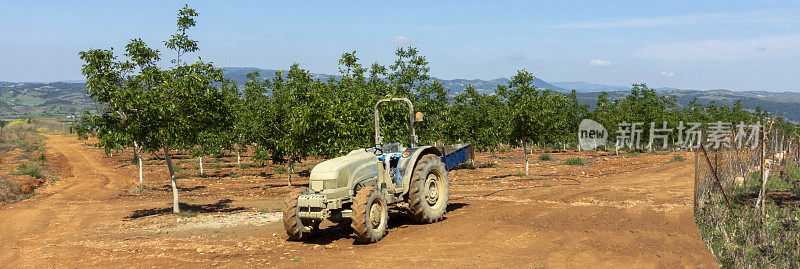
(581, 86)
(61, 99)
(56, 99)
(239, 74)
(786, 103)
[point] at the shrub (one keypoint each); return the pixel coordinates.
(137, 188)
(488, 165)
(677, 159)
(466, 165)
(27, 169)
(545, 157)
(574, 161)
(245, 166)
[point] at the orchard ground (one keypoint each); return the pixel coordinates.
(613, 211)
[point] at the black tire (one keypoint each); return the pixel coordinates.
(429, 191)
(295, 228)
(370, 215)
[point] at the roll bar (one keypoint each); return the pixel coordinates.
(378, 137)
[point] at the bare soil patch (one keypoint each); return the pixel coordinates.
(614, 211)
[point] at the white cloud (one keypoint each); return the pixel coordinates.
(768, 47)
(402, 40)
(599, 63)
(517, 57)
(668, 74)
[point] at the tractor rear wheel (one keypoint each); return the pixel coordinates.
(429, 190)
(296, 228)
(370, 215)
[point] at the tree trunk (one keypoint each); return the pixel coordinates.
(201, 166)
(525, 149)
(238, 159)
(138, 157)
(291, 170)
(176, 208)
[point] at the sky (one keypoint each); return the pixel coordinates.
(736, 45)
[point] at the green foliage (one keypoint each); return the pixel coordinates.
(535, 115)
(477, 118)
(28, 169)
(574, 161)
(544, 157)
(677, 159)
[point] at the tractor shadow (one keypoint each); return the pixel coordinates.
(398, 219)
(221, 206)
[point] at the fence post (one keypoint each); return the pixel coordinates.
(714, 173)
(696, 175)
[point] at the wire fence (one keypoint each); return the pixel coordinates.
(746, 200)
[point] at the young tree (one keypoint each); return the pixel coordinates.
(156, 109)
(522, 103)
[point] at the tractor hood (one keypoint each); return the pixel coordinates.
(340, 172)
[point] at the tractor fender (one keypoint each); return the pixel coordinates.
(411, 163)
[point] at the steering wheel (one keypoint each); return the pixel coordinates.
(376, 149)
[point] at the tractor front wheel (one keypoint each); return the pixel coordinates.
(429, 191)
(370, 215)
(296, 228)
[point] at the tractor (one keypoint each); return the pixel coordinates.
(360, 187)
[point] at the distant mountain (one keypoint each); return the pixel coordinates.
(489, 86)
(61, 99)
(582, 86)
(239, 74)
(786, 103)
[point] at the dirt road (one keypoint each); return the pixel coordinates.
(638, 218)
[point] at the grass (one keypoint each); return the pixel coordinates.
(281, 169)
(521, 174)
(27, 169)
(186, 213)
(9, 190)
(574, 161)
(677, 159)
(488, 165)
(632, 153)
(739, 241)
(545, 157)
(742, 238)
(137, 188)
(245, 166)
(466, 165)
